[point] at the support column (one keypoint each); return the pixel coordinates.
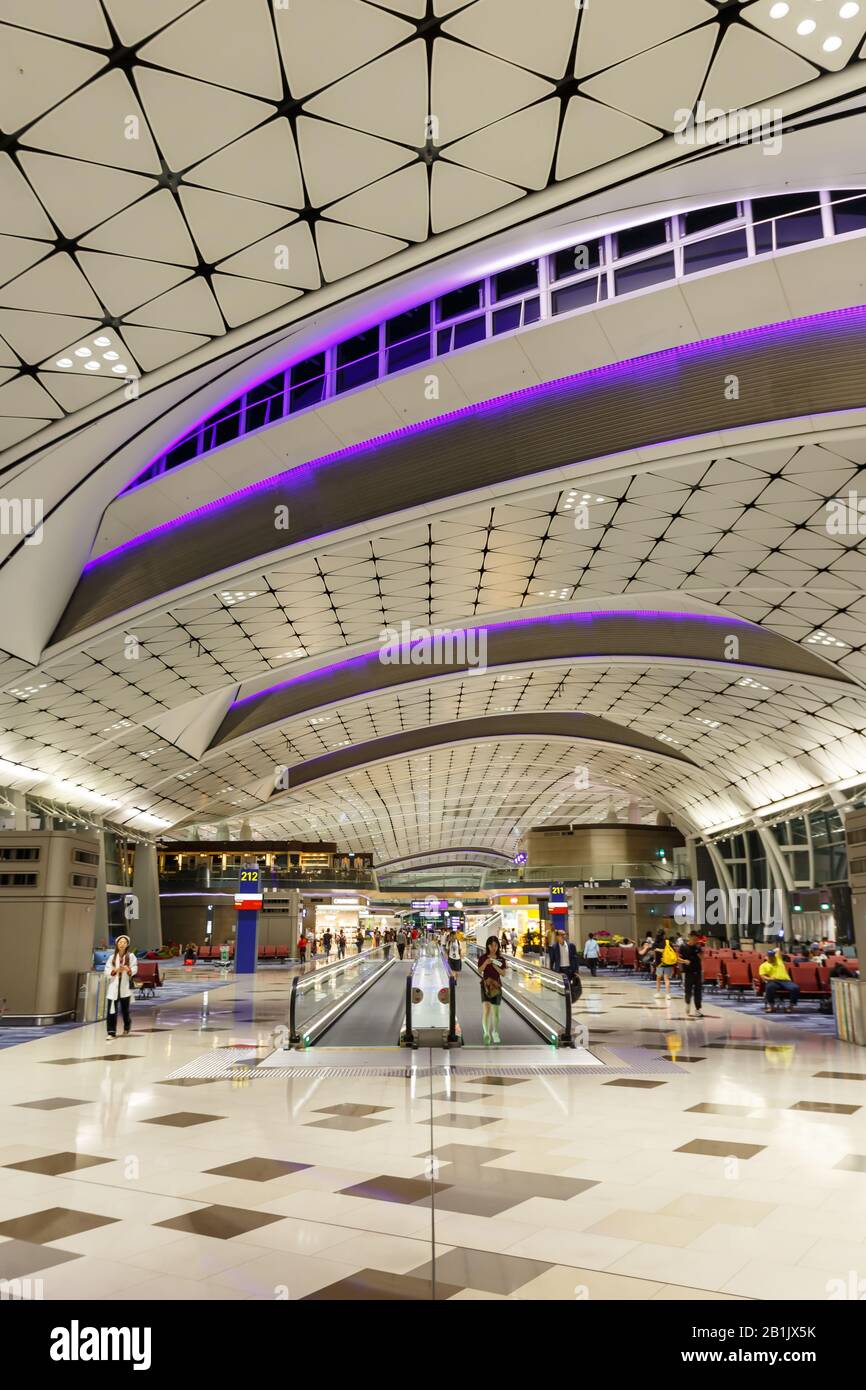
(100, 911)
(780, 872)
(145, 887)
(247, 941)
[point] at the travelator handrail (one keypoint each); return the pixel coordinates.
(302, 983)
(549, 979)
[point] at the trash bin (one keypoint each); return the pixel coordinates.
(849, 1008)
(91, 996)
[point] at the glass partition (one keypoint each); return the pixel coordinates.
(319, 996)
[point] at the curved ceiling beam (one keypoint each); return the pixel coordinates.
(584, 727)
(649, 635)
(802, 367)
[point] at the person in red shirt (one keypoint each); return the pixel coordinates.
(491, 967)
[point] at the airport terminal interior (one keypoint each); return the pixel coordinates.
(432, 651)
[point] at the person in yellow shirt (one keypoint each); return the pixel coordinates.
(777, 981)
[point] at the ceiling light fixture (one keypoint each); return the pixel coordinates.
(849, 10)
(64, 362)
(779, 11)
(806, 26)
(83, 352)
(832, 43)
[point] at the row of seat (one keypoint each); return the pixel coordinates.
(264, 952)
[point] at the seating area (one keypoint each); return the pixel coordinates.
(735, 972)
(265, 953)
(147, 979)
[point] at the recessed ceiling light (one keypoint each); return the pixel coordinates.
(110, 356)
(64, 362)
(779, 11)
(830, 45)
(83, 352)
(120, 368)
(849, 10)
(102, 342)
(93, 366)
(806, 26)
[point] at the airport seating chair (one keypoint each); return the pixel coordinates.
(735, 974)
(147, 979)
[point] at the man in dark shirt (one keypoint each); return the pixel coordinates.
(693, 975)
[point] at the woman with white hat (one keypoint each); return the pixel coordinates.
(120, 968)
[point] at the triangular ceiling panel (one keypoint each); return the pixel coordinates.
(248, 65)
(657, 85)
(322, 40)
(346, 249)
(189, 307)
(80, 195)
(153, 347)
(286, 257)
(459, 194)
(748, 66)
(618, 29)
(221, 223)
(35, 336)
(397, 205)
(18, 254)
(242, 300)
(518, 149)
(470, 89)
(103, 123)
(55, 281)
(388, 97)
(22, 215)
(593, 134)
(194, 119)
(152, 228)
(124, 282)
(36, 72)
(263, 165)
(134, 21)
(535, 35)
(338, 160)
(81, 22)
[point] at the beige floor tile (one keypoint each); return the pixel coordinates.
(672, 1265)
(673, 1293)
(836, 1257)
(572, 1248)
(768, 1279)
(396, 1254)
(282, 1275)
(572, 1284)
(478, 1232)
(732, 1211)
(654, 1228)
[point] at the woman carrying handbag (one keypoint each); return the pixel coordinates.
(120, 968)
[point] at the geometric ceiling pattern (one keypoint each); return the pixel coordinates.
(162, 183)
(743, 531)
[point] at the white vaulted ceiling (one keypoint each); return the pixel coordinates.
(172, 171)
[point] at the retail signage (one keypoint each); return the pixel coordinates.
(557, 901)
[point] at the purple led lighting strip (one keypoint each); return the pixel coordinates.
(582, 617)
(626, 367)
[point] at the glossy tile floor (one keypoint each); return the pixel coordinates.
(715, 1159)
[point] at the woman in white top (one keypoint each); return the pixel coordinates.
(120, 968)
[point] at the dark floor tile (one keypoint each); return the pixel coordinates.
(475, 1155)
(496, 1080)
(103, 1057)
(18, 1258)
(53, 1103)
(182, 1119)
(221, 1223)
(54, 1223)
(708, 1107)
(638, 1085)
(825, 1107)
(471, 1201)
(347, 1122)
(681, 1057)
(52, 1165)
(481, 1269)
(852, 1163)
(459, 1121)
(375, 1285)
(720, 1148)
(354, 1110)
(387, 1188)
(842, 1075)
(259, 1169)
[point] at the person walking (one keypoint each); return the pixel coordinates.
(120, 968)
(693, 973)
(401, 943)
(359, 940)
(591, 953)
(341, 945)
(455, 954)
(491, 967)
(563, 959)
(665, 958)
(326, 943)
(302, 948)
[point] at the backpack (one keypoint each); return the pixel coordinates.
(669, 955)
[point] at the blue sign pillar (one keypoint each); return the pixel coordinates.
(248, 900)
